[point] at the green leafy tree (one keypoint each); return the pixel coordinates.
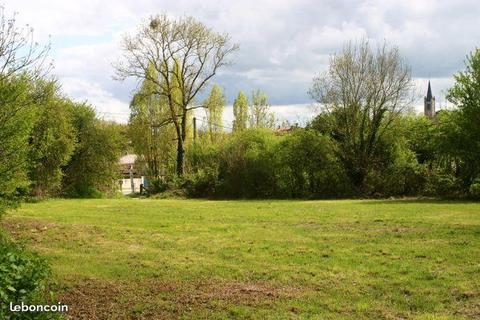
(249, 164)
(17, 120)
(361, 95)
(20, 63)
(215, 104)
(93, 167)
(464, 134)
(181, 49)
(52, 141)
(421, 135)
(240, 112)
(308, 166)
(151, 140)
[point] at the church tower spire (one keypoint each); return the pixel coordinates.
(429, 103)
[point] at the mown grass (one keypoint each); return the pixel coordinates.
(348, 259)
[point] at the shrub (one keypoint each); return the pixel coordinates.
(403, 175)
(248, 165)
(85, 192)
(203, 183)
(308, 166)
(203, 161)
(94, 162)
(439, 183)
(157, 185)
(257, 163)
(474, 189)
(23, 278)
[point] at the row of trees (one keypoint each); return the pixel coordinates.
(49, 145)
(153, 136)
(365, 141)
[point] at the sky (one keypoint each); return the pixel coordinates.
(283, 43)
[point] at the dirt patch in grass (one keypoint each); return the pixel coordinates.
(37, 230)
(20, 228)
(251, 294)
(154, 299)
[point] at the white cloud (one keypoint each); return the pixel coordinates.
(283, 43)
(103, 101)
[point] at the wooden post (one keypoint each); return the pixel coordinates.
(132, 183)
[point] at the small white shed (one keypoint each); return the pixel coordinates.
(131, 180)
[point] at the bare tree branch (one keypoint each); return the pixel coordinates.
(186, 55)
(364, 90)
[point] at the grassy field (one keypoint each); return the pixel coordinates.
(155, 259)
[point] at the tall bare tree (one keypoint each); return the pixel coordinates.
(260, 115)
(361, 94)
(185, 54)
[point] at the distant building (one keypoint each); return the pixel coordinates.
(285, 128)
(132, 178)
(429, 103)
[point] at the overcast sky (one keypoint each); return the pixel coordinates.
(283, 44)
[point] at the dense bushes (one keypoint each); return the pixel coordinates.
(23, 278)
(52, 140)
(50, 145)
(258, 163)
(307, 163)
(17, 118)
(475, 189)
(248, 164)
(93, 166)
(308, 166)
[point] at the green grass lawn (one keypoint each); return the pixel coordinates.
(155, 259)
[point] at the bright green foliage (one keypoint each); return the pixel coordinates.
(23, 278)
(300, 164)
(17, 118)
(186, 54)
(21, 59)
(400, 174)
(464, 134)
(151, 133)
(93, 167)
(248, 165)
(243, 165)
(240, 112)
(52, 141)
(214, 106)
(260, 115)
(403, 160)
(361, 95)
(203, 161)
(308, 166)
(422, 137)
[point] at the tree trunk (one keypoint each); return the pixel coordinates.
(181, 145)
(180, 157)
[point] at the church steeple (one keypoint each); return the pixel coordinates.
(429, 92)
(429, 103)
